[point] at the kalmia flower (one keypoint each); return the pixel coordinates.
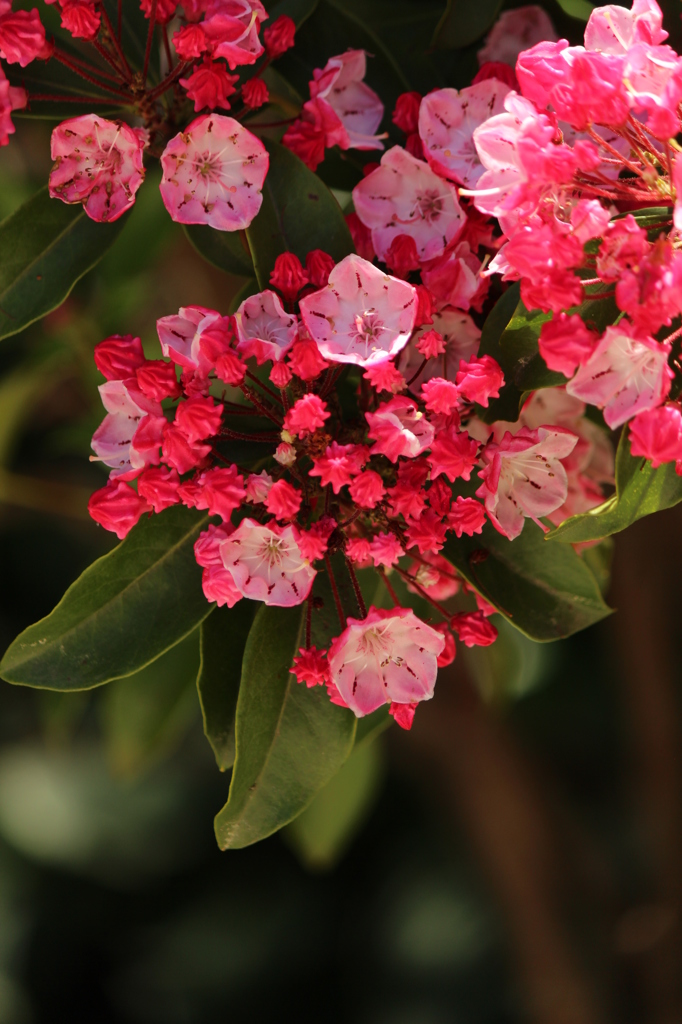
(266, 564)
(263, 329)
(210, 85)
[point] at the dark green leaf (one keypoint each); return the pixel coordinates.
(298, 10)
(223, 639)
(224, 249)
(544, 596)
(298, 214)
(640, 490)
(125, 610)
(465, 22)
(45, 247)
(580, 9)
(291, 740)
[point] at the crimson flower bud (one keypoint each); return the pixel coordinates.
(279, 37)
(288, 277)
(255, 93)
(406, 113)
(119, 356)
(318, 265)
(496, 69)
(401, 256)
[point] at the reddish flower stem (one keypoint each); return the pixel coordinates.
(105, 55)
(414, 377)
(116, 39)
(335, 592)
(169, 80)
(356, 587)
(150, 36)
(389, 588)
(265, 388)
(308, 621)
(63, 59)
(166, 46)
(439, 607)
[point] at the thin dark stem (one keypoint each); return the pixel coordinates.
(439, 607)
(63, 59)
(253, 397)
(94, 70)
(159, 89)
(414, 377)
(166, 46)
(116, 38)
(335, 592)
(150, 36)
(356, 588)
(308, 622)
(235, 435)
(389, 588)
(265, 388)
(105, 55)
(53, 98)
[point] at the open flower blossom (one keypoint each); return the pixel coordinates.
(130, 436)
(363, 316)
(266, 564)
(213, 173)
(263, 329)
(97, 163)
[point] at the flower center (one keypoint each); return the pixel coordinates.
(367, 326)
(272, 551)
(374, 642)
(429, 205)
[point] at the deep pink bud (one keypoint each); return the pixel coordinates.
(280, 374)
(318, 266)
(305, 359)
(279, 37)
(311, 666)
(230, 369)
(306, 416)
(414, 146)
(283, 500)
(179, 453)
(657, 435)
(119, 356)
(362, 237)
(157, 380)
(424, 306)
(255, 93)
(159, 486)
(209, 85)
(117, 507)
(401, 255)
(466, 516)
(198, 418)
(288, 277)
(496, 69)
(367, 489)
(406, 113)
(431, 344)
(473, 629)
(190, 42)
(222, 491)
(306, 140)
(447, 655)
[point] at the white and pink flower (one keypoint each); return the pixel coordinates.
(266, 564)
(263, 329)
(130, 435)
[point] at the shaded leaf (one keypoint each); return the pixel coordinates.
(291, 740)
(298, 214)
(544, 594)
(45, 248)
(580, 9)
(223, 639)
(640, 490)
(463, 23)
(224, 249)
(125, 610)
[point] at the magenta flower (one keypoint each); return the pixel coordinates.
(213, 173)
(363, 316)
(97, 163)
(266, 564)
(398, 428)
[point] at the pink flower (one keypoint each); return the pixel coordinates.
(222, 491)
(440, 395)
(209, 85)
(230, 369)
(81, 19)
(285, 454)
(358, 550)
(385, 549)
(97, 163)
(115, 442)
(264, 330)
(305, 359)
(232, 30)
(473, 629)
(165, 9)
(426, 533)
(306, 415)
(613, 29)
(466, 516)
(430, 344)
(283, 500)
(401, 256)
(22, 36)
(207, 545)
(453, 453)
(258, 486)
(288, 276)
(407, 499)
(159, 486)
(117, 507)
(266, 564)
(190, 42)
(350, 103)
(454, 279)
(515, 31)
(191, 338)
(480, 380)
(565, 342)
(388, 656)
(178, 453)
(363, 316)
(523, 476)
(385, 377)
(311, 667)
(399, 428)
(119, 356)
(313, 542)
(255, 93)
(198, 418)
(657, 435)
(213, 173)
(281, 375)
(406, 113)
(339, 464)
(404, 713)
(447, 120)
(11, 98)
(404, 196)
(219, 586)
(157, 380)
(306, 139)
(279, 37)
(367, 489)
(627, 373)
(318, 267)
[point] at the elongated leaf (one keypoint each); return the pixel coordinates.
(465, 22)
(291, 740)
(223, 639)
(224, 249)
(145, 715)
(298, 214)
(45, 247)
(640, 490)
(298, 10)
(544, 596)
(125, 610)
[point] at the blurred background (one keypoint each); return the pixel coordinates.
(516, 857)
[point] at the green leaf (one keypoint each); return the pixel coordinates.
(45, 248)
(640, 490)
(223, 639)
(298, 10)
(546, 591)
(464, 22)
(291, 740)
(125, 610)
(298, 214)
(145, 715)
(324, 831)
(224, 249)
(581, 9)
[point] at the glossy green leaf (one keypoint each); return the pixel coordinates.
(125, 610)
(45, 248)
(580, 9)
(298, 214)
(291, 740)
(546, 590)
(640, 490)
(224, 249)
(223, 639)
(464, 22)
(324, 831)
(145, 715)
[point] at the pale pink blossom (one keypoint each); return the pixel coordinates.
(613, 29)
(114, 441)
(447, 120)
(523, 477)
(515, 31)
(285, 454)
(363, 316)
(356, 109)
(266, 564)
(213, 173)
(192, 337)
(404, 196)
(627, 373)
(388, 656)
(97, 163)
(263, 329)
(231, 30)
(399, 428)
